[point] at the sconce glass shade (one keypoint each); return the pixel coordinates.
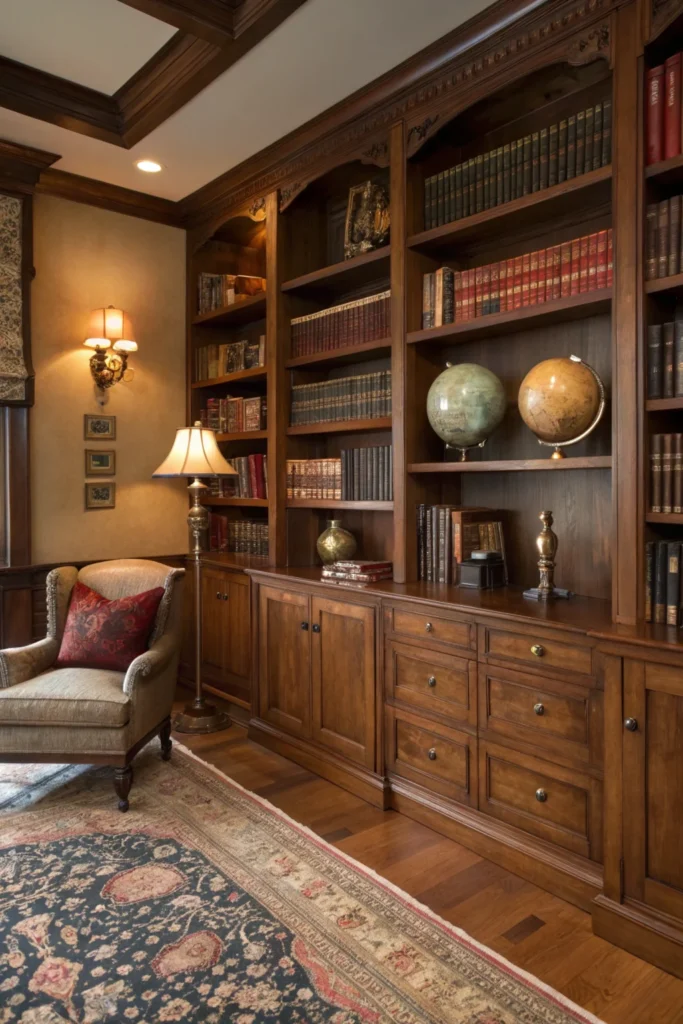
(125, 346)
(110, 325)
(97, 343)
(195, 453)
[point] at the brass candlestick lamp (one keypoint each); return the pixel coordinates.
(195, 454)
(546, 544)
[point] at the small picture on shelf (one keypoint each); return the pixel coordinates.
(100, 462)
(367, 219)
(100, 495)
(99, 428)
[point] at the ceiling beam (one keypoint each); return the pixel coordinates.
(21, 166)
(211, 20)
(108, 197)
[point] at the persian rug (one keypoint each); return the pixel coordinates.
(206, 904)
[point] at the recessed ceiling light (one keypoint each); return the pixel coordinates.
(151, 166)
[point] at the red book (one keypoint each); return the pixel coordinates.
(494, 301)
(655, 114)
(610, 260)
(517, 291)
(503, 286)
(471, 294)
(602, 260)
(554, 263)
(592, 262)
(575, 265)
(583, 264)
(260, 477)
(510, 275)
(672, 106)
(566, 269)
(540, 291)
(526, 277)
(533, 278)
(478, 290)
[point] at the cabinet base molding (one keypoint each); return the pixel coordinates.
(572, 877)
(633, 926)
(360, 782)
(238, 710)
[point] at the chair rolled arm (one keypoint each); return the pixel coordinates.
(155, 660)
(19, 664)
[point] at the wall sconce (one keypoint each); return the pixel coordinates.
(110, 328)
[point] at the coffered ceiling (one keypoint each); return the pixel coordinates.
(197, 85)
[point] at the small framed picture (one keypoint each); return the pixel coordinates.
(100, 462)
(100, 495)
(99, 428)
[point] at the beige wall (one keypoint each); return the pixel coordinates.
(85, 258)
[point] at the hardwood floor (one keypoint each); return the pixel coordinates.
(541, 933)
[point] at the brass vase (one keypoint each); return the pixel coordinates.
(335, 543)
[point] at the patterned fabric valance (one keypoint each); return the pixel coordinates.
(13, 372)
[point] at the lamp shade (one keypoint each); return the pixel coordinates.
(195, 453)
(110, 325)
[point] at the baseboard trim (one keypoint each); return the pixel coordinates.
(641, 931)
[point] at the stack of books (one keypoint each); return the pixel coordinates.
(663, 243)
(242, 536)
(361, 474)
(251, 480)
(665, 358)
(234, 415)
(578, 266)
(365, 397)
(448, 534)
(666, 473)
(314, 478)
(663, 583)
(219, 290)
(352, 323)
(357, 572)
(217, 360)
(579, 143)
(663, 104)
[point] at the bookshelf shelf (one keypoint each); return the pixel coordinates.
(244, 435)
(359, 506)
(343, 276)
(664, 284)
(663, 404)
(255, 373)
(572, 307)
(341, 427)
(513, 465)
(666, 172)
(236, 502)
(244, 311)
(588, 189)
(674, 518)
(340, 356)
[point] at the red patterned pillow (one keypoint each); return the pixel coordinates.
(107, 634)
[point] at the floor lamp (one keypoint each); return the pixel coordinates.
(195, 454)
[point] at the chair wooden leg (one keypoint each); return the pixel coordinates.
(165, 738)
(123, 780)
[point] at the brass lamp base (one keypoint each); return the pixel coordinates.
(200, 717)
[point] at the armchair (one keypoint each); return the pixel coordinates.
(93, 715)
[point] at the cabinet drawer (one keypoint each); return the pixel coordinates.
(539, 650)
(437, 757)
(432, 681)
(428, 626)
(561, 805)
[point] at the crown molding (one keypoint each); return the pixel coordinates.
(108, 197)
(211, 20)
(21, 166)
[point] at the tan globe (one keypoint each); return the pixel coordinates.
(559, 399)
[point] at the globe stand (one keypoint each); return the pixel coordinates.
(463, 451)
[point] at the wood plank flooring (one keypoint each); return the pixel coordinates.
(540, 932)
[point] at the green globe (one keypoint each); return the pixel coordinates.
(465, 404)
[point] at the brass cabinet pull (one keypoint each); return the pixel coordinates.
(431, 754)
(431, 681)
(429, 627)
(304, 625)
(538, 650)
(539, 709)
(541, 796)
(631, 724)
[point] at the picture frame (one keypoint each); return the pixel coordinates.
(367, 222)
(100, 462)
(100, 495)
(99, 428)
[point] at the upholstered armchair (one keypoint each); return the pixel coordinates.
(93, 715)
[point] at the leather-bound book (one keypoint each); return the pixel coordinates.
(660, 582)
(526, 168)
(667, 473)
(655, 115)
(606, 137)
(672, 106)
(651, 223)
(588, 144)
(668, 355)
(663, 238)
(543, 158)
(677, 473)
(571, 146)
(654, 361)
(580, 142)
(673, 582)
(656, 447)
(535, 162)
(597, 136)
(552, 154)
(562, 152)
(674, 235)
(649, 576)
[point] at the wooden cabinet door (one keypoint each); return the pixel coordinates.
(343, 678)
(226, 633)
(215, 624)
(653, 785)
(285, 660)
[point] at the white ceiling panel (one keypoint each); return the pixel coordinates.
(98, 43)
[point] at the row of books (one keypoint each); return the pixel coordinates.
(447, 535)
(663, 117)
(663, 598)
(663, 241)
(216, 360)
(666, 473)
(580, 265)
(363, 397)
(579, 143)
(234, 415)
(360, 474)
(665, 359)
(358, 573)
(351, 323)
(251, 480)
(219, 290)
(243, 536)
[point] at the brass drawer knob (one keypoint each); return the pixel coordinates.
(541, 796)
(431, 754)
(539, 709)
(538, 650)
(429, 627)
(631, 724)
(431, 681)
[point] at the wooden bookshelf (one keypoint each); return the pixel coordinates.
(664, 284)
(242, 311)
(665, 518)
(341, 427)
(666, 172)
(236, 502)
(336, 503)
(253, 374)
(514, 465)
(343, 276)
(342, 356)
(663, 404)
(244, 435)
